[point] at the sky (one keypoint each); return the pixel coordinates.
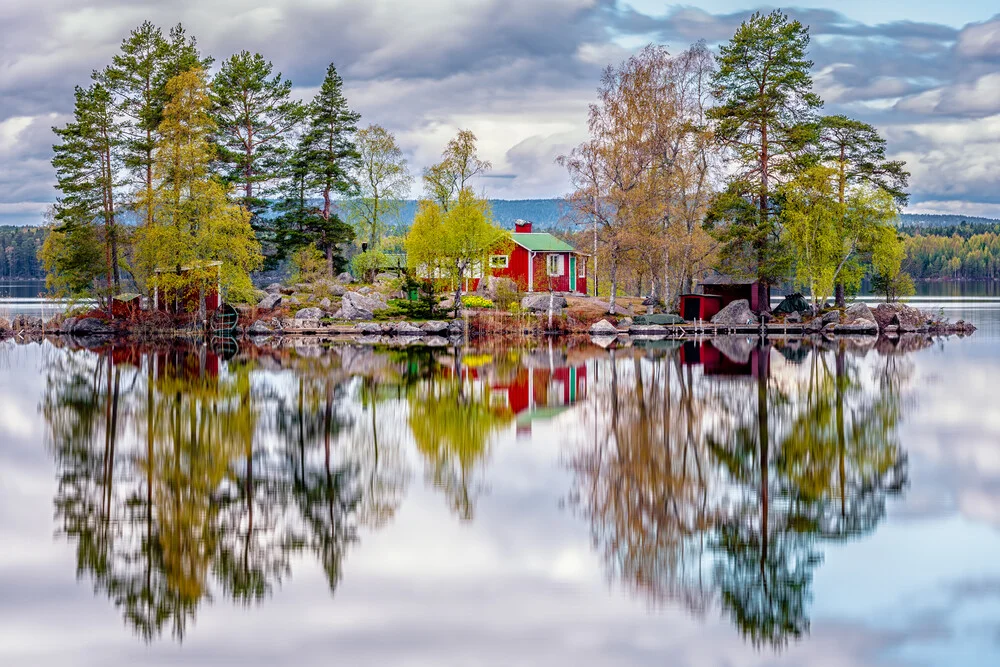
(521, 73)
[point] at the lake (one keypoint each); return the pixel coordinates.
(703, 504)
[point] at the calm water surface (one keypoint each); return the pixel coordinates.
(704, 505)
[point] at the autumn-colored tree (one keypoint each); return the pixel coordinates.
(194, 223)
(383, 180)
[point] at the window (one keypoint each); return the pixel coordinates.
(556, 264)
(499, 261)
(581, 267)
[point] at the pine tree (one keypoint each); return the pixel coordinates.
(86, 166)
(765, 117)
(255, 116)
(137, 78)
(330, 156)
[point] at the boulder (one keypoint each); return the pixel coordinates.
(27, 323)
(326, 304)
(737, 313)
(259, 328)
(368, 328)
(407, 329)
(794, 317)
(905, 317)
(539, 303)
(603, 328)
(273, 288)
(814, 325)
(365, 291)
(304, 287)
(270, 302)
(859, 326)
(831, 317)
(91, 326)
(356, 306)
(338, 290)
(286, 290)
(65, 327)
(859, 311)
(625, 322)
(345, 278)
(456, 326)
(384, 277)
(309, 314)
(736, 348)
(434, 327)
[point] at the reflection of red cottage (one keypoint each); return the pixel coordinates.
(540, 393)
(539, 262)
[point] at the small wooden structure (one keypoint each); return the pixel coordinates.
(695, 307)
(125, 305)
(188, 300)
(730, 289)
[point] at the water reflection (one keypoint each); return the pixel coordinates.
(711, 474)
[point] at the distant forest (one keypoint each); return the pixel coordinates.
(937, 246)
(19, 253)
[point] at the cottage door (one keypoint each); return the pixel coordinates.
(572, 273)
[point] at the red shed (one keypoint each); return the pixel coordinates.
(700, 306)
(733, 289)
(187, 300)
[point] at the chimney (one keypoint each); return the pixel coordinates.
(522, 227)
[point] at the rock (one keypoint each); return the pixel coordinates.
(4, 326)
(648, 330)
(345, 278)
(625, 322)
(368, 328)
(365, 291)
(27, 323)
(270, 302)
(814, 325)
(384, 277)
(859, 311)
(456, 326)
(259, 328)
(309, 314)
(273, 288)
(407, 329)
(794, 318)
(326, 304)
(737, 313)
(859, 326)
(603, 328)
(304, 287)
(356, 306)
(286, 290)
(91, 326)
(539, 303)
(338, 290)
(305, 323)
(831, 317)
(905, 317)
(434, 327)
(736, 348)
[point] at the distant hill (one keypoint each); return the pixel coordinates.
(549, 213)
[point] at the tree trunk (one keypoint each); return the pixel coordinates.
(458, 290)
(614, 284)
(329, 259)
(841, 296)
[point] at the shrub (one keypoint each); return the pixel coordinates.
(506, 292)
(367, 264)
(476, 301)
(308, 263)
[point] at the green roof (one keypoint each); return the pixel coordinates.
(541, 242)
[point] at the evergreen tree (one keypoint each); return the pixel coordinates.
(255, 116)
(137, 78)
(86, 165)
(330, 156)
(765, 117)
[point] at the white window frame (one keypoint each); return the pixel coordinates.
(555, 268)
(581, 267)
(499, 261)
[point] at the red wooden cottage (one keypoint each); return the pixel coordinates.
(539, 262)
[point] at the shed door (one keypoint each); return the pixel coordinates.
(692, 309)
(572, 273)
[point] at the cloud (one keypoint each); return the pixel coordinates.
(520, 73)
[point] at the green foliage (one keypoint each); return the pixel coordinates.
(308, 264)
(19, 252)
(971, 253)
(254, 115)
(764, 116)
(366, 265)
(476, 301)
(73, 259)
(893, 286)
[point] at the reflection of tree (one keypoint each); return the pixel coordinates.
(700, 490)
(453, 422)
(171, 491)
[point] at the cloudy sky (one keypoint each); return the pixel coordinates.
(520, 73)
